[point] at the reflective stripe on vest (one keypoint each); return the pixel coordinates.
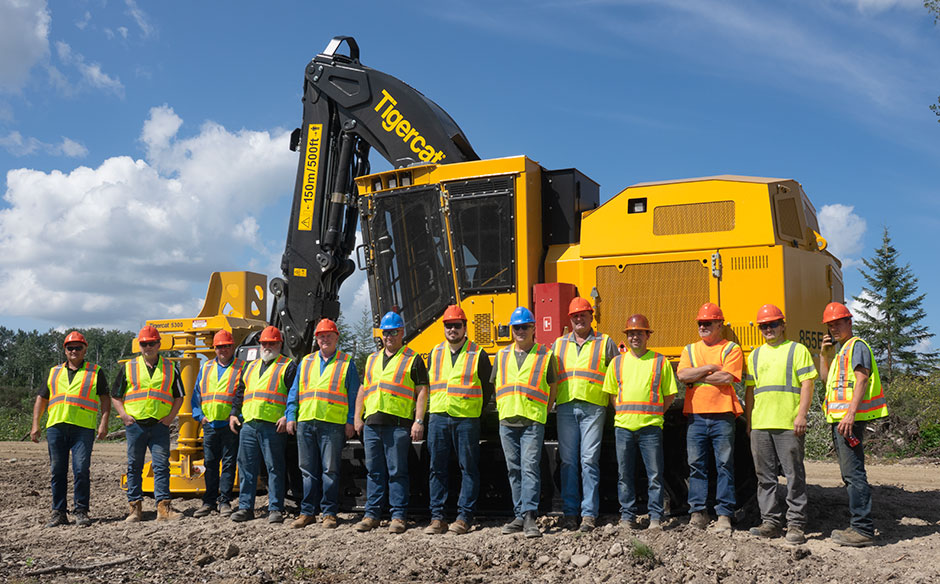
(322, 395)
(523, 392)
(654, 405)
(724, 355)
(73, 402)
(581, 374)
(840, 387)
(389, 389)
(456, 388)
(265, 392)
(788, 386)
(218, 392)
(149, 395)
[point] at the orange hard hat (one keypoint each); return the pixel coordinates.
(637, 322)
(579, 304)
(270, 334)
(710, 311)
(454, 312)
(75, 337)
(769, 313)
(326, 326)
(223, 337)
(835, 311)
(147, 334)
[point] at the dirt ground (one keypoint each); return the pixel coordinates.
(906, 512)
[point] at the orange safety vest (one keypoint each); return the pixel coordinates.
(705, 398)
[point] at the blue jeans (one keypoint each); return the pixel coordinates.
(715, 433)
(447, 434)
(219, 446)
(649, 442)
(259, 439)
(62, 439)
(580, 425)
(320, 448)
(387, 464)
(139, 439)
(522, 448)
(852, 465)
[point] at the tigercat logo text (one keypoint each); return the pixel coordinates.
(394, 121)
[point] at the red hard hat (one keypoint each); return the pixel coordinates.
(325, 326)
(75, 337)
(453, 313)
(223, 337)
(637, 322)
(835, 311)
(579, 304)
(769, 313)
(270, 334)
(710, 311)
(147, 334)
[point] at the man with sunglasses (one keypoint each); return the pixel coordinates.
(213, 395)
(147, 393)
(708, 368)
(459, 372)
(525, 378)
(73, 392)
(779, 379)
(854, 397)
(389, 415)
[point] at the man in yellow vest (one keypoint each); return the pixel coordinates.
(320, 408)
(854, 397)
(211, 403)
(389, 415)
(708, 368)
(582, 357)
(147, 394)
(72, 393)
(641, 387)
(261, 401)
(779, 380)
(460, 387)
(525, 377)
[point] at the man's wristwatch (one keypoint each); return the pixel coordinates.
(420, 422)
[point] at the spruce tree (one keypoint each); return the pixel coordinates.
(891, 317)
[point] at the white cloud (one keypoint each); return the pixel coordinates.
(876, 6)
(83, 23)
(131, 239)
(24, 40)
(91, 73)
(17, 145)
(844, 230)
(354, 293)
(140, 17)
(857, 308)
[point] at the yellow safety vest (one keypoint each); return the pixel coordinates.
(840, 387)
(73, 402)
(390, 389)
(148, 395)
(265, 393)
(523, 391)
(218, 392)
(456, 388)
(776, 374)
(322, 396)
(581, 373)
(638, 406)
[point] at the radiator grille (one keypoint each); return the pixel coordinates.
(693, 218)
(754, 262)
(482, 329)
(747, 336)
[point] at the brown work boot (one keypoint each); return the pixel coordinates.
(459, 527)
(723, 525)
(367, 524)
(165, 512)
(587, 524)
(699, 520)
(795, 535)
(852, 538)
(329, 521)
(766, 529)
(437, 527)
(397, 526)
(134, 513)
(303, 521)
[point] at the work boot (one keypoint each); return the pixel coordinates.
(134, 513)
(852, 538)
(242, 515)
(723, 525)
(58, 518)
(437, 527)
(275, 516)
(204, 511)
(632, 523)
(303, 521)
(766, 529)
(568, 522)
(514, 526)
(165, 511)
(329, 521)
(655, 525)
(587, 525)
(795, 535)
(530, 525)
(699, 520)
(397, 526)
(367, 524)
(82, 519)
(225, 509)
(459, 527)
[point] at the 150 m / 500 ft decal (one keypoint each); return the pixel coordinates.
(394, 121)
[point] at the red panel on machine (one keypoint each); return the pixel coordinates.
(551, 309)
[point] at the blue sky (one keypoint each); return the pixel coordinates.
(143, 145)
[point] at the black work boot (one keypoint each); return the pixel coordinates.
(58, 518)
(530, 526)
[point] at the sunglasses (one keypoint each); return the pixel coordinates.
(521, 327)
(769, 326)
(149, 343)
(706, 323)
(453, 325)
(391, 333)
(75, 347)
(223, 346)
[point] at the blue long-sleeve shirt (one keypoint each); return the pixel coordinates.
(352, 389)
(196, 400)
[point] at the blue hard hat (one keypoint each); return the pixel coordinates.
(391, 321)
(522, 315)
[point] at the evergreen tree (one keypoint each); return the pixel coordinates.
(891, 318)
